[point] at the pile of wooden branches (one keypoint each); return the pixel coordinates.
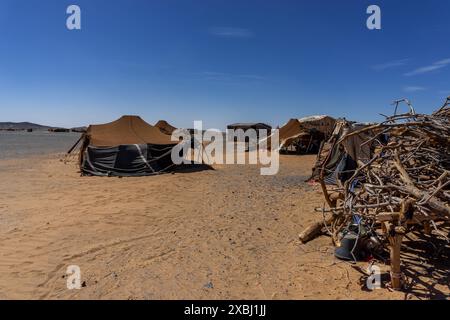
(408, 178)
(406, 181)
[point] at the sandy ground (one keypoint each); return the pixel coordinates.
(227, 233)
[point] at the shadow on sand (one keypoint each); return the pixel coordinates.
(426, 264)
(190, 168)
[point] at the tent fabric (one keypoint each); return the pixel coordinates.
(126, 130)
(128, 160)
(341, 154)
(295, 128)
(356, 148)
(128, 146)
(165, 127)
(291, 129)
(330, 155)
(288, 141)
(313, 129)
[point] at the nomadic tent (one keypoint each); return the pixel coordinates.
(306, 132)
(128, 146)
(165, 127)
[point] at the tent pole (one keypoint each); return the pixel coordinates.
(76, 143)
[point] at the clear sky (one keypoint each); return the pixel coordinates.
(219, 61)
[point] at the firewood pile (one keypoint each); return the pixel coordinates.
(404, 185)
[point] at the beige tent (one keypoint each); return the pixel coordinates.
(165, 127)
(300, 127)
(128, 146)
(126, 130)
(307, 131)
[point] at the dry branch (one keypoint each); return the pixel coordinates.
(405, 181)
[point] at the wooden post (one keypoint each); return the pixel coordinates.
(395, 236)
(396, 272)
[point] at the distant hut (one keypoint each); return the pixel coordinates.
(255, 126)
(79, 129)
(57, 130)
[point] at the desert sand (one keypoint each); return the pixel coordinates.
(227, 233)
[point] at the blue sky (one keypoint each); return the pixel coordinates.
(219, 61)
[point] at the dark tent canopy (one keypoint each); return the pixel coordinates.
(128, 146)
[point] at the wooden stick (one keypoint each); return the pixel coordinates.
(314, 229)
(396, 272)
(395, 238)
